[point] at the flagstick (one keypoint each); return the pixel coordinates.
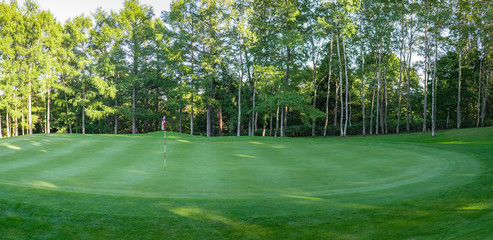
(165, 149)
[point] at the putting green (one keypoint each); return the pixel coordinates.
(241, 187)
(226, 167)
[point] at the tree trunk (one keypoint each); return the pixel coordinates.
(371, 113)
(381, 114)
(265, 125)
(83, 121)
(208, 128)
(68, 119)
(347, 85)
(83, 110)
(48, 113)
(363, 88)
(45, 119)
(350, 106)
(270, 120)
(458, 90)
(401, 55)
(133, 111)
(7, 121)
(29, 110)
(277, 119)
(191, 115)
(255, 123)
(220, 116)
(284, 114)
(427, 62)
(386, 100)
(155, 124)
(448, 117)
(408, 105)
(327, 105)
(83, 93)
(192, 78)
(340, 84)
(479, 90)
(314, 95)
(16, 122)
(180, 115)
(146, 106)
(485, 96)
(22, 125)
(336, 100)
(378, 85)
(238, 131)
(285, 121)
(116, 116)
(328, 86)
(253, 108)
(249, 126)
(282, 121)
(434, 85)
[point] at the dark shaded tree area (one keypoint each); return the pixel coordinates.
(244, 67)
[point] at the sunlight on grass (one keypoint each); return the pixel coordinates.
(11, 146)
(257, 143)
(183, 141)
(42, 150)
(37, 144)
(455, 142)
(477, 206)
(137, 171)
(278, 146)
(42, 184)
(305, 197)
(243, 156)
(200, 214)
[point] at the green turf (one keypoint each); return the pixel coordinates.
(407, 186)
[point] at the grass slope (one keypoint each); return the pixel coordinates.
(407, 186)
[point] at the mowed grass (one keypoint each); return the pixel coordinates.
(407, 186)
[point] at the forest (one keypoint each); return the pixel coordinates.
(246, 67)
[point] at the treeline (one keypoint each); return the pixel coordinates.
(245, 67)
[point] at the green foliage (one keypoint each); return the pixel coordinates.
(200, 52)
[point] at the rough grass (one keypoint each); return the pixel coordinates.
(407, 186)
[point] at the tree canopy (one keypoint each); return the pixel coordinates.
(244, 67)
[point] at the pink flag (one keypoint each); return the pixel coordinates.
(163, 124)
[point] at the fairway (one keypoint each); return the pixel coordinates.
(108, 186)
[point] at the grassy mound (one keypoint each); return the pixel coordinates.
(113, 186)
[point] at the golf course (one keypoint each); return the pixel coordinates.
(407, 186)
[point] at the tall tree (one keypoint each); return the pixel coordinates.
(136, 22)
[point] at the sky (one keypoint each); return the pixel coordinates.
(65, 9)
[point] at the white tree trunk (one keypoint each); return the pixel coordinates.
(378, 85)
(408, 104)
(340, 84)
(427, 62)
(363, 88)
(434, 86)
(328, 87)
(479, 90)
(347, 85)
(458, 90)
(29, 110)
(371, 112)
